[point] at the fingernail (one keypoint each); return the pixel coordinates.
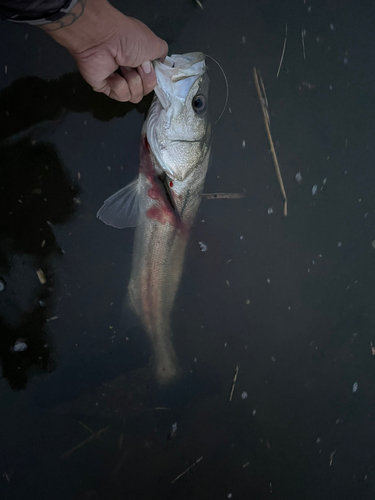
(147, 67)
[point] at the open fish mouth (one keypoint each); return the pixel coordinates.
(176, 75)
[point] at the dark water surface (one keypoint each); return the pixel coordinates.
(288, 300)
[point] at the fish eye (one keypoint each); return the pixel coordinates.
(199, 104)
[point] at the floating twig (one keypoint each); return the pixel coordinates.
(283, 52)
(222, 196)
(331, 458)
(41, 276)
(95, 434)
(273, 152)
(84, 442)
(265, 100)
(303, 33)
(187, 470)
(233, 383)
(199, 3)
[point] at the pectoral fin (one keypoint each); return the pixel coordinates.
(124, 208)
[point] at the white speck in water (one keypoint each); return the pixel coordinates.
(230, 110)
(2, 285)
(268, 280)
(318, 441)
(345, 60)
(85, 122)
(225, 345)
(202, 246)
(248, 302)
(244, 143)
(243, 39)
(6, 69)
(26, 36)
(309, 9)
(195, 360)
(314, 189)
(330, 87)
(373, 243)
(241, 237)
(339, 244)
(244, 395)
(332, 27)
(298, 177)
(19, 346)
(355, 387)
(229, 495)
(324, 181)
(202, 220)
(270, 211)
(254, 412)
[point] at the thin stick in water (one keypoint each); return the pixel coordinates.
(84, 442)
(265, 99)
(187, 470)
(95, 434)
(222, 196)
(283, 52)
(303, 33)
(272, 147)
(233, 383)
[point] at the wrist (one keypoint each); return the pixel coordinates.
(88, 24)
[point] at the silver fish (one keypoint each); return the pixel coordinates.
(163, 201)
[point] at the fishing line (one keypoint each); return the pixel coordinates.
(226, 84)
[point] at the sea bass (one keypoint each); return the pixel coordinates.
(163, 201)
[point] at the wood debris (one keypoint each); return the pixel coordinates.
(283, 52)
(187, 470)
(263, 101)
(233, 383)
(95, 435)
(222, 196)
(41, 276)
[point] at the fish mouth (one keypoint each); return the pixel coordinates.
(176, 75)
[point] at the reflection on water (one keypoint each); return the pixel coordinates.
(36, 194)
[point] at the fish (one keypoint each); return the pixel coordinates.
(163, 201)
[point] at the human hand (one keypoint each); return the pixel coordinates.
(113, 52)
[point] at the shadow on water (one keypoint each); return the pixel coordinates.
(36, 193)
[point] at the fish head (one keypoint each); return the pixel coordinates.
(178, 127)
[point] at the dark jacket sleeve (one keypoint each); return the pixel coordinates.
(36, 12)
